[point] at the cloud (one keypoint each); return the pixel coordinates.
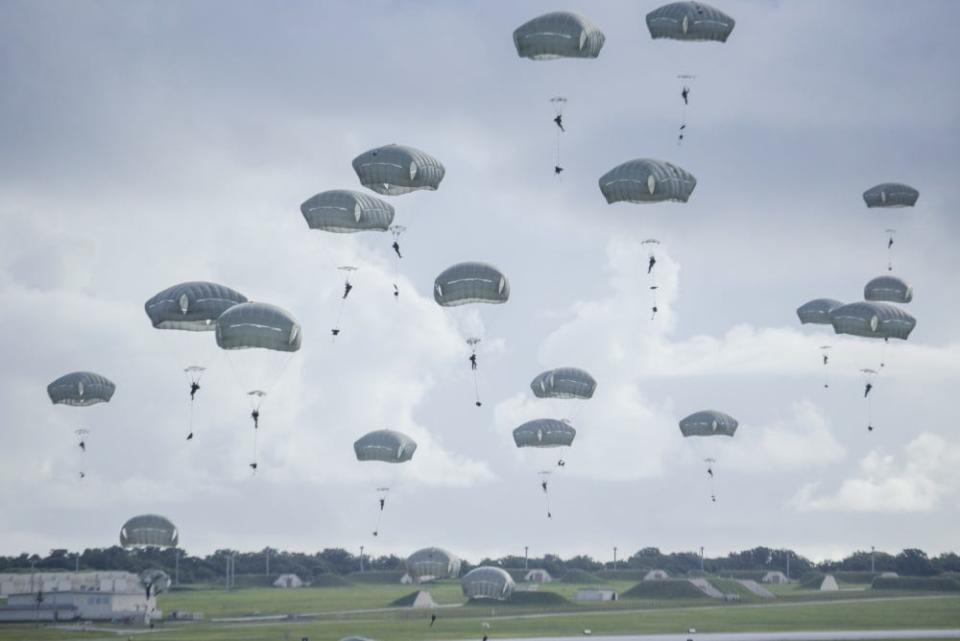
(921, 480)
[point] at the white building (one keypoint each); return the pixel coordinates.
(829, 584)
(288, 581)
(76, 595)
(774, 577)
(656, 575)
(595, 594)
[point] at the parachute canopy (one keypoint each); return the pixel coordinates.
(709, 423)
(560, 34)
(817, 311)
(385, 445)
(888, 288)
(432, 564)
(258, 325)
(487, 582)
(394, 170)
(689, 21)
(193, 306)
(872, 320)
(81, 389)
(149, 530)
(891, 195)
(466, 283)
(647, 181)
(564, 382)
(544, 432)
(344, 211)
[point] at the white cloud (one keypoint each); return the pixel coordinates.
(921, 480)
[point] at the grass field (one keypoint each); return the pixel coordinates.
(791, 611)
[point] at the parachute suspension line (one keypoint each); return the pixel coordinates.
(824, 349)
(710, 464)
(559, 103)
(82, 444)
(194, 373)
(473, 342)
(396, 231)
(651, 244)
(382, 499)
(685, 95)
(545, 486)
(347, 288)
(868, 375)
(255, 398)
(890, 233)
(883, 352)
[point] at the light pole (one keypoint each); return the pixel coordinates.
(873, 566)
(526, 557)
(614, 557)
(701, 559)
(361, 558)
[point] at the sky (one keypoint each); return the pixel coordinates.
(151, 143)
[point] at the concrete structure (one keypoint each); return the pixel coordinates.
(288, 581)
(756, 588)
(829, 584)
(538, 576)
(889, 575)
(707, 588)
(656, 575)
(65, 596)
(774, 577)
(595, 594)
(423, 600)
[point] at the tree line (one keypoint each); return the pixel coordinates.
(337, 561)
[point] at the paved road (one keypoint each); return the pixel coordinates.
(838, 635)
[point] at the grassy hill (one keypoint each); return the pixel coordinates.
(665, 589)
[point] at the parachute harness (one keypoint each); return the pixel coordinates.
(868, 375)
(890, 233)
(652, 275)
(824, 349)
(559, 102)
(545, 486)
(685, 94)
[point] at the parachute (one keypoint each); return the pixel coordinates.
(564, 382)
(249, 328)
(709, 423)
(690, 21)
(888, 288)
(872, 320)
(647, 181)
(149, 530)
(544, 432)
(487, 582)
(466, 284)
(394, 170)
(81, 389)
(817, 311)
(559, 34)
(346, 212)
(192, 307)
(432, 564)
(386, 446)
(891, 195)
